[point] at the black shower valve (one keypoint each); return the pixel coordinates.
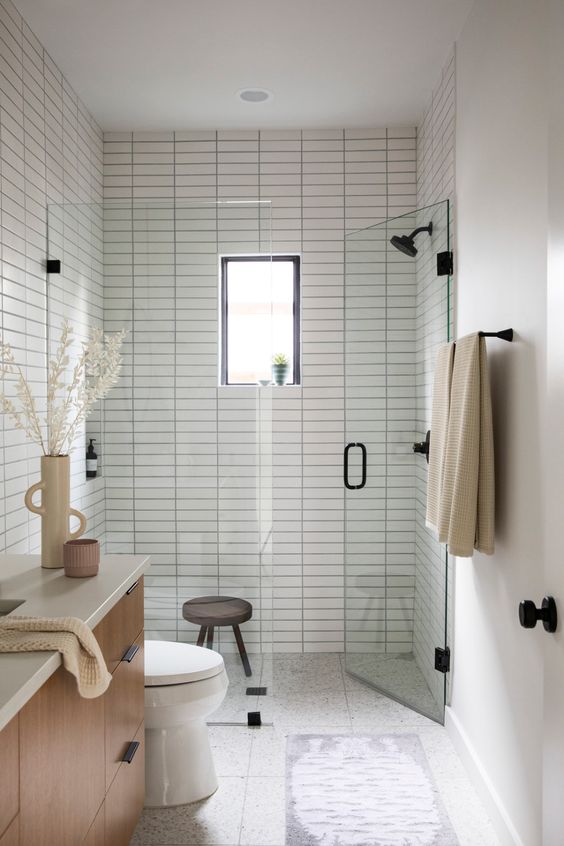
(424, 447)
(529, 614)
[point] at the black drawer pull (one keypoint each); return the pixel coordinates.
(130, 752)
(131, 653)
(132, 588)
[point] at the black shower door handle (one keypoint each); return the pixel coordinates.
(346, 467)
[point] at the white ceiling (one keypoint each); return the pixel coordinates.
(177, 64)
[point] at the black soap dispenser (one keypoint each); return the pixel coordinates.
(91, 461)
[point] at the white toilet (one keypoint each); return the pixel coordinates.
(184, 684)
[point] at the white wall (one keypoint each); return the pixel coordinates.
(501, 282)
(50, 152)
(553, 584)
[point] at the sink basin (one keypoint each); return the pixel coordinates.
(7, 605)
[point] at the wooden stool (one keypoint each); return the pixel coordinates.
(210, 612)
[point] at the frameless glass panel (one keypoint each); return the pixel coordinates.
(186, 463)
(396, 315)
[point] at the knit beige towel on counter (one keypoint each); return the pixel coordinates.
(467, 502)
(439, 428)
(70, 636)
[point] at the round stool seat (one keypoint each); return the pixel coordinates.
(210, 612)
(217, 611)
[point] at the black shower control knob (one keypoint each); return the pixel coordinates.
(529, 614)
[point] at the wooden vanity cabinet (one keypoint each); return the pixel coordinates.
(9, 781)
(74, 786)
(61, 763)
(11, 836)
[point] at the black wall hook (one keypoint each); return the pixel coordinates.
(529, 614)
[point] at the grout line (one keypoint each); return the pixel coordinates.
(175, 383)
(133, 429)
(303, 381)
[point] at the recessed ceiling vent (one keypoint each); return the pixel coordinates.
(254, 95)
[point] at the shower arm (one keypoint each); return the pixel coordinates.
(415, 232)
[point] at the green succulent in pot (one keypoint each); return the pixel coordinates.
(280, 367)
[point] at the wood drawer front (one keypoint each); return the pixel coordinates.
(124, 800)
(62, 763)
(97, 834)
(119, 628)
(9, 773)
(11, 836)
(124, 708)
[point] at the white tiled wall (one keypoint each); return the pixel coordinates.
(50, 152)
(321, 184)
(435, 183)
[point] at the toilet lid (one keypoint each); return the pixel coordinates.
(168, 662)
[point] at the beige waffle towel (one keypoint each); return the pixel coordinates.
(466, 509)
(71, 637)
(439, 428)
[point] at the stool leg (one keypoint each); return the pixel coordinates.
(242, 650)
(201, 636)
(210, 637)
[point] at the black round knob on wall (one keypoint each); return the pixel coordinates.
(529, 614)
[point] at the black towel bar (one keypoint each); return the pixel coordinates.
(504, 335)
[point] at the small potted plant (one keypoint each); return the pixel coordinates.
(280, 365)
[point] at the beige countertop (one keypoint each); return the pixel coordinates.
(49, 593)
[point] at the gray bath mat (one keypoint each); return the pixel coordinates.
(362, 790)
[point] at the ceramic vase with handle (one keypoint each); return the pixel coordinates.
(54, 509)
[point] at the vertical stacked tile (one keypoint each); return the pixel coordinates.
(435, 184)
(323, 388)
(400, 395)
(237, 422)
(380, 392)
(244, 459)
(365, 379)
(118, 447)
(50, 152)
(281, 182)
(196, 367)
(153, 372)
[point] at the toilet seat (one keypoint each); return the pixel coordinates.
(172, 663)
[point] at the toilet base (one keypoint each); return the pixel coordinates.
(179, 766)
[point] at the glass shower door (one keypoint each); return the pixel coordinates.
(396, 316)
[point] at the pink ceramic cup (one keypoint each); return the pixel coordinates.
(81, 558)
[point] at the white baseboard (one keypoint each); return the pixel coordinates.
(497, 811)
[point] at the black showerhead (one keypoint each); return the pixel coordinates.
(405, 243)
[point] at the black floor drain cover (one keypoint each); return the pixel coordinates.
(256, 691)
(253, 718)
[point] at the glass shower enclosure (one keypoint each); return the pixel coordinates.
(185, 463)
(397, 313)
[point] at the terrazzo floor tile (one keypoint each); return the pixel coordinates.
(214, 822)
(398, 674)
(231, 749)
(268, 751)
(264, 813)
(304, 710)
(307, 694)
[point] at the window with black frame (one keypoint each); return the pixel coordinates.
(260, 320)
